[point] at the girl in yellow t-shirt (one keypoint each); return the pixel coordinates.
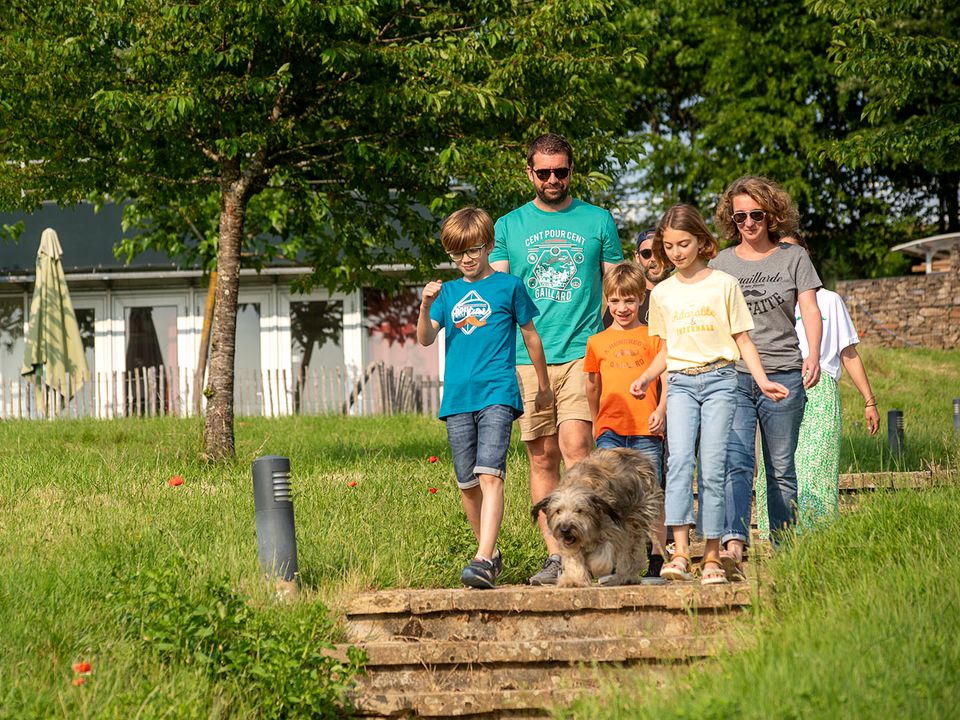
(704, 321)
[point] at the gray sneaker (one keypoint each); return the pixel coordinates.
(549, 573)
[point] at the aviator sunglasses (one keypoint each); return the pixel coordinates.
(756, 215)
(645, 253)
(544, 173)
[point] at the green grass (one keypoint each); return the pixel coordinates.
(921, 383)
(101, 560)
(859, 621)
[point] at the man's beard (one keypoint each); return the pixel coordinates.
(552, 199)
(655, 276)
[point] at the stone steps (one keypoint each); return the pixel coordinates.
(521, 650)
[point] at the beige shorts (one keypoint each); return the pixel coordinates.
(569, 384)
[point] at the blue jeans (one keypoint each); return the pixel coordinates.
(479, 442)
(649, 445)
(704, 403)
(779, 430)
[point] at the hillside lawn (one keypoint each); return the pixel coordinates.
(158, 586)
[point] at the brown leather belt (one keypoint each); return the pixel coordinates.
(700, 369)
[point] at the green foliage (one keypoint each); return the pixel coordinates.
(738, 88)
(346, 121)
(282, 665)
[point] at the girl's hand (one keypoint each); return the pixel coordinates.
(544, 399)
(638, 388)
(873, 419)
(774, 391)
(430, 292)
(657, 421)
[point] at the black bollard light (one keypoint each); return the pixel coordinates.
(276, 538)
(895, 431)
(956, 416)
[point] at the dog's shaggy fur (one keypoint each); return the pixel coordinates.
(601, 514)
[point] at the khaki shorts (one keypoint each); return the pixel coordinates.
(569, 384)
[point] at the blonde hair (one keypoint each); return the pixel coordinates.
(688, 219)
(625, 278)
(782, 216)
(466, 228)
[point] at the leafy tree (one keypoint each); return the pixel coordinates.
(332, 132)
(734, 88)
(903, 57)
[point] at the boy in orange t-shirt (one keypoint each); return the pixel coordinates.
(614, 357)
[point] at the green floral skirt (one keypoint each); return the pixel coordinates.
(817, 460)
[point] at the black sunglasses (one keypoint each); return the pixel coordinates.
(756, 215)
(544, 173)
(645, 253)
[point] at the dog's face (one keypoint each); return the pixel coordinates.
(575, 515)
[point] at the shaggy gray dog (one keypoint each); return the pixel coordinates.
(601, 514)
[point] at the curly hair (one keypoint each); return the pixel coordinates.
(685, 218)
(782, 216)
(550, 144)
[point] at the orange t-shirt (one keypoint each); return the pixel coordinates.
(620, 356)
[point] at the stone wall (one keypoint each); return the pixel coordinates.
(915, 311)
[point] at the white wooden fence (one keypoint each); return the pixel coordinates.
(377, 389)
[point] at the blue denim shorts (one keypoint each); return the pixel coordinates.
(479, 442)
(649, 445)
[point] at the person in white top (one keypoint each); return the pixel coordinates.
(817, 457)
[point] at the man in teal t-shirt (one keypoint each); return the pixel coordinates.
(559, 247)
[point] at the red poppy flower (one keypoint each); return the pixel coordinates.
(352, 483)
(82, 667)
(432, 458)
(78, 681)
(174, 481)
(433, 491)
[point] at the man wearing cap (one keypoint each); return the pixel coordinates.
(560, 247)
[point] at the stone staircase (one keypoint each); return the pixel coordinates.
(521, 651)
(517, 651)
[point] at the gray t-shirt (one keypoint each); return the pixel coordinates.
(770, 287)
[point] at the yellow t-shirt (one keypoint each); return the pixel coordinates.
(698, 321)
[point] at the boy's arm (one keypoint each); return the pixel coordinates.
(531, 338)
(658, 418)
(594, 388)
(427, 328)
(748, 351)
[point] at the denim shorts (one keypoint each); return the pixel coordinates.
(479, 442)
(649, 445)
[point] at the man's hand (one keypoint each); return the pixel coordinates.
(544, 399)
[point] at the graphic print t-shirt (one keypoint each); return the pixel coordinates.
(621, 356)
(770, 287)
(699, 321)
(559, 257)
(480, 320)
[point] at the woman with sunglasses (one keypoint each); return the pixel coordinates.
(818, 452)
(775, 277)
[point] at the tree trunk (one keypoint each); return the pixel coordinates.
(218, 425)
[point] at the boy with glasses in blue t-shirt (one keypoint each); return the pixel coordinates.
(481, 398)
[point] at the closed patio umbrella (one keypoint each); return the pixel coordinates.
(54, 352)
